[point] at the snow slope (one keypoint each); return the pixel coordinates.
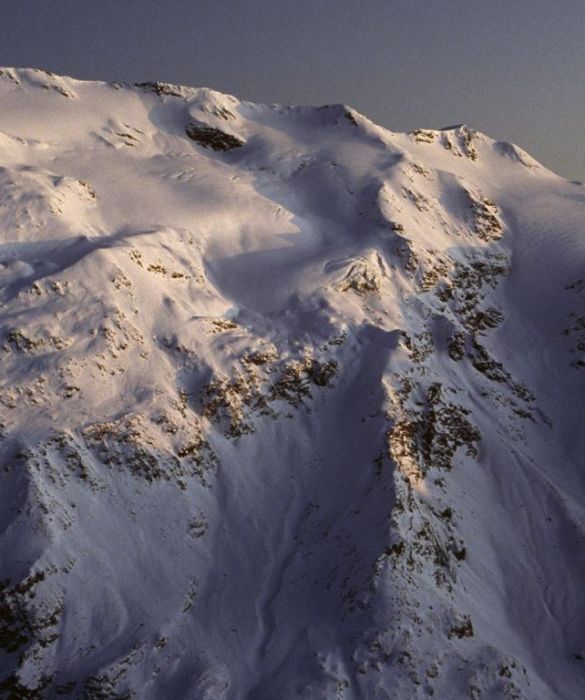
(291, 406)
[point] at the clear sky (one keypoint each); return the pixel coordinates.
(514, 69)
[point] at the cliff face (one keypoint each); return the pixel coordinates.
(291, 406)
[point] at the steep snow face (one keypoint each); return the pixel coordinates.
(291, 406)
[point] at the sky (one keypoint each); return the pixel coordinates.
(513, 69)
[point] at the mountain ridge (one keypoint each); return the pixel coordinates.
(290, 403)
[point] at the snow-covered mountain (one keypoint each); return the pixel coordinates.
(291, 406)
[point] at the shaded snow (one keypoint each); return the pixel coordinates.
(291, 405)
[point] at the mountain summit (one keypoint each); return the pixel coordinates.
(291, 406)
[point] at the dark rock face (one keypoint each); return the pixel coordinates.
(209, 137)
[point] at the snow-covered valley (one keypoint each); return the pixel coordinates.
(291, 406)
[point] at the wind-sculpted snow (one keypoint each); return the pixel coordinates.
(291, 406)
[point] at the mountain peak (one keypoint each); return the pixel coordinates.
(287, 405)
